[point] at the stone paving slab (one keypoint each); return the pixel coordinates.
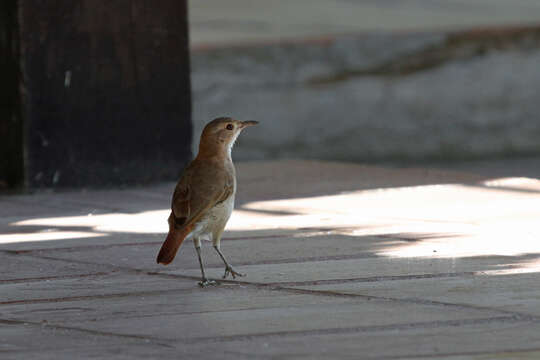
(169, 296)
(492, 289)
(461, 341)
(362, 269)
(106, 284)
(430, 341)
(151, 313)
(38, 340)
(223, 322)
(290, 248)
(25, 268)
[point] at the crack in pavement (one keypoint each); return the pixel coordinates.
(57, 277)
(47, 326)
(363, 329)
(142, 243)
(297, 260)
(373, 279)
(97, 296)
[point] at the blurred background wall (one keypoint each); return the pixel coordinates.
(11, 140)
(98, 92)
(400, 80)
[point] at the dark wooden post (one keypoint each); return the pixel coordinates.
(104, 91)
(11, 140)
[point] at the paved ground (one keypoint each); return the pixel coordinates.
(343, 262)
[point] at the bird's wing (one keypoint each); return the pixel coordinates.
(199, 189)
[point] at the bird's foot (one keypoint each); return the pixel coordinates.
(230, 270)
(205, 282)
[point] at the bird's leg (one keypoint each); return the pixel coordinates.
(228, 268)
(204, 281)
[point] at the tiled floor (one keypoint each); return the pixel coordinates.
(342, 261)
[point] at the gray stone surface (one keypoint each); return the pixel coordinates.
(509, 292)
(370, 81)
(214, 22)
(464, 107)
(21, 266)
(343, 261)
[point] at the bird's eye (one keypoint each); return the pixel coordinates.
(230, 126)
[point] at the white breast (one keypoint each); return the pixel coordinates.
(222, 211)
(214, 221)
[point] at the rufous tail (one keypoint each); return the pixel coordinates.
(171, 245)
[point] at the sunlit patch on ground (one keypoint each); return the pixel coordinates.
(46, 236)
(146, 222)
(519, 183)
(523, 267)
(496, 217)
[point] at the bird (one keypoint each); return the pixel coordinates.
(203, 198)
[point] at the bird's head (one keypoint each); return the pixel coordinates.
(220, 134)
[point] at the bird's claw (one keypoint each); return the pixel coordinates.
(230, 270)
(206, 282)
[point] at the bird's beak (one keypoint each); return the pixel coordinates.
(248, 123)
